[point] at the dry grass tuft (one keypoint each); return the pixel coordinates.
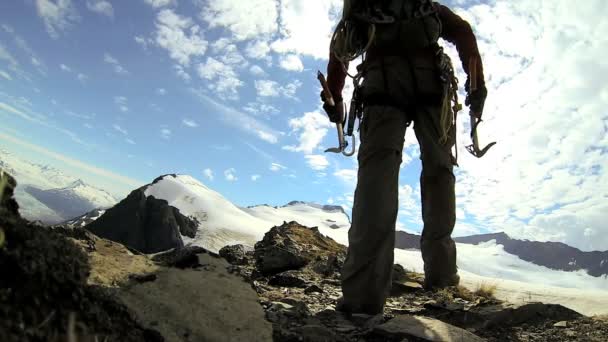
(464, 293)
(485, 290)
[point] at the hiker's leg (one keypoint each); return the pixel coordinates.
(438, 199)
(366, 275)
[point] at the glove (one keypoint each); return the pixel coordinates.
(476, 100)
(335, 113)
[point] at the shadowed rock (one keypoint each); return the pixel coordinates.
(144, 223)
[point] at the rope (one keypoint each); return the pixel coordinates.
(346, 46)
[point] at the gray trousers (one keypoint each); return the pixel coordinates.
(366, 275)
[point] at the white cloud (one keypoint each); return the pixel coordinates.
(297, 33)
(5, 75)
(276, 167)
(57, 15)
(256, 70)
(225, 81)
(317, 162)
(130, 141)
(101, 7)
(255, 178)
(209, 174)
(260, 109)
(165, 133)
(189, 123)
(143, 41)
(241, 120)
(267, 88)
(181, 72)
(347, 175)
(120, 129)
(311, 128)
(118, 68)
(244, 19)
(82, 77)
(161, 3)
(258, 49)
(161, 91)
(65, 68)
(121, 102)
(180, 36)
(230, 175)
(4, 54)
(291, 63)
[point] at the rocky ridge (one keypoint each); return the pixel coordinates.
(299, 289)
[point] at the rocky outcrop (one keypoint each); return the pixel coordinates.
(144, 223)
(299, 299)
(292, 246)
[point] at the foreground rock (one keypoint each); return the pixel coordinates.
(144, 223)
(203, 303)
(44, 295)
(428, 329)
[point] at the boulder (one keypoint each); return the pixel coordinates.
(203, 304)
(425, 328)
(288, 279)
(235, 254)
(292, 246)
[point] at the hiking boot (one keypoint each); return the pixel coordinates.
(358, 317)
(342, 306)
(435, 285)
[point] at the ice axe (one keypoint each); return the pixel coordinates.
(342, 143)
(475, 117)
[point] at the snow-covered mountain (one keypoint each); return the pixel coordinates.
(223, 223)
(49, 195)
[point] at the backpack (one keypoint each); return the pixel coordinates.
(394, 26)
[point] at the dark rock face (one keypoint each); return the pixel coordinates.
(292, 246)
(186, 257)
(288, 279)
(143, 223)
(235, 255)
(8, 205)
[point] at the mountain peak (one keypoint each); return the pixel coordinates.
(77, 183)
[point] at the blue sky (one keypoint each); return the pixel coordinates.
(119, 92)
